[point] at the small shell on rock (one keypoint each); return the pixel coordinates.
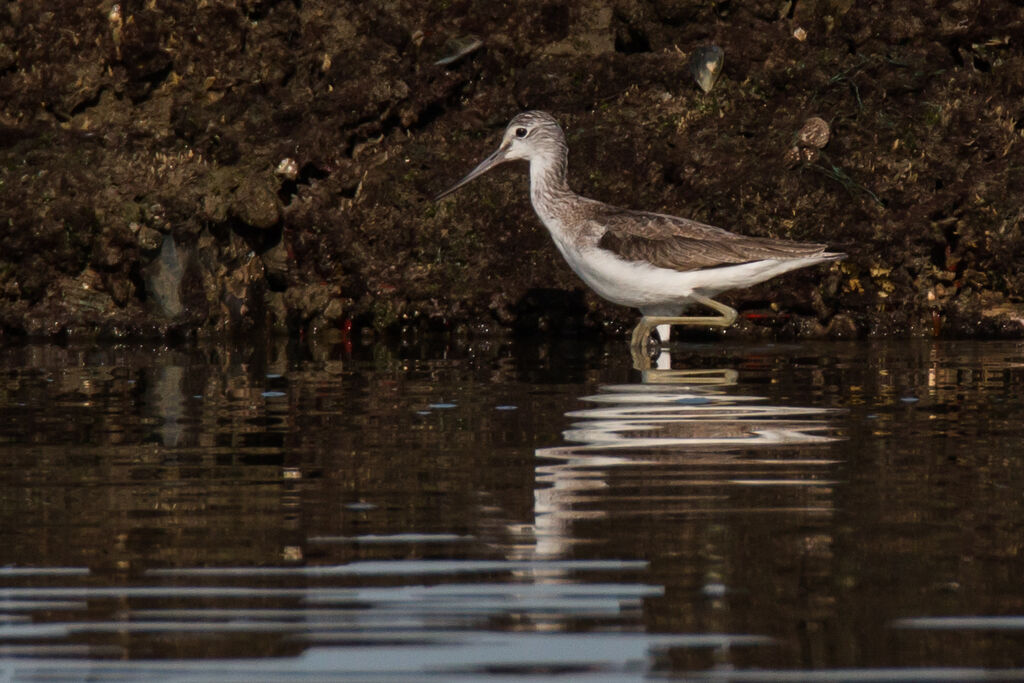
(287, 169)
(800, 34)
(457, 48)
(815, 133)
(706, 66)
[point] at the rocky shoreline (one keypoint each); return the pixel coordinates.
(205, 168)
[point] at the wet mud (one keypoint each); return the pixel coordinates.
(258, 166)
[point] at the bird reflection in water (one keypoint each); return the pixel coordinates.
(691, 439)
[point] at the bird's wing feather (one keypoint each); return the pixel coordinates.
(683, 244)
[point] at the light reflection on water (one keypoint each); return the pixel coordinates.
(231, 512)
(695, 432)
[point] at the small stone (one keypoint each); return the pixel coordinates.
(275, 261)
(334, 311)
(815, 133)
(800, 34)
(841, 327)
(256, 204)
(277, 312)
(215, 208)
(706, 66)
(288, 168)
(107, 253)
(81, 298)
(147, 238)
(308, 300)
(120, 289)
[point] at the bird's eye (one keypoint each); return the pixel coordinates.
(521, 132)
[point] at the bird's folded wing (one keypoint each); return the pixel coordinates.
(681, 244)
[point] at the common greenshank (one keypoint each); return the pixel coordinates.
(650, 261)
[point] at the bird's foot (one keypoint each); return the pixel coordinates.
(641, 340)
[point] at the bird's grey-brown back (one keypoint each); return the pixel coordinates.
(683, 244)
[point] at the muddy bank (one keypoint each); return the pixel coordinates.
(260, 166)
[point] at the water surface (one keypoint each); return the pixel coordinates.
(512, 511)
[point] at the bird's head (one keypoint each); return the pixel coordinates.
(530, 135)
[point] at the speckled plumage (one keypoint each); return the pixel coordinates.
(654, 262)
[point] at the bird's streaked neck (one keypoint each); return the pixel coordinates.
(548, 180)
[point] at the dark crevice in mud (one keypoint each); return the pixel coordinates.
(981, 64)
(287, 77)
(61, 116)
(939, 255)
(259, 240)
(141, 88)
(349, 191)
(307, 174)
(86, 104)
(276, 283)
(943, 248)
(952, 238)
(222, 149)
(630, 40)
(11, 136)
(432, 112)
(967, 55)
(139, 282)
(257, 12)
(953, 48)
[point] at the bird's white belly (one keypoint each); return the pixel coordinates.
(629, 283)
(663, 290)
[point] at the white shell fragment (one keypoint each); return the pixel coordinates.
(287, 169)
(457, 48)
(706, 66)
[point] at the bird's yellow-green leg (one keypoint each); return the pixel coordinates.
(642, 331)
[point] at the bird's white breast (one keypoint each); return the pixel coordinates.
(628, 283)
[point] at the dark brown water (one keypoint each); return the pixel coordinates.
(512, 512)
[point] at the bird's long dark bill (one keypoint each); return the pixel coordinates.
(484, 166)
